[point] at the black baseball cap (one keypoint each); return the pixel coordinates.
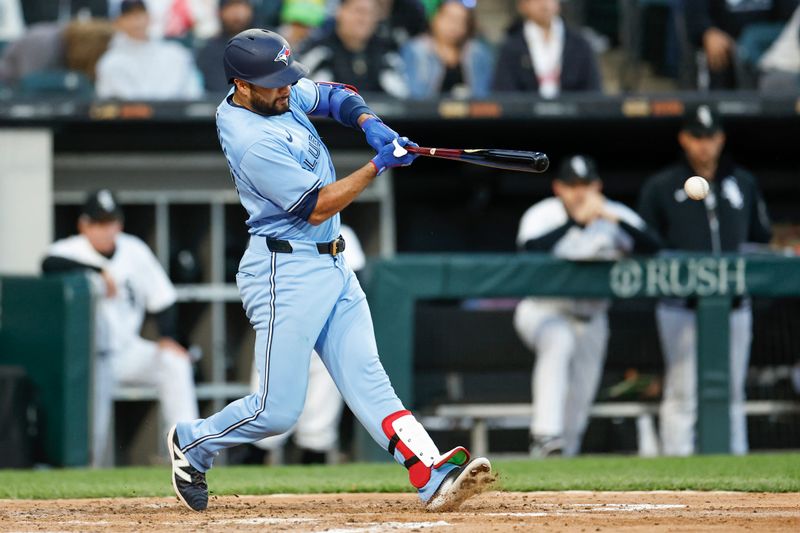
(102, 206)
(578, 169)
(701, 121)
(131, 5)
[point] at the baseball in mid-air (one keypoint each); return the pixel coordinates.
(696, 188)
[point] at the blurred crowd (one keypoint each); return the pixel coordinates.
(418, 49)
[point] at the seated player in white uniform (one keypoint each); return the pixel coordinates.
(317, 429)
(569, 335)
(133, 283)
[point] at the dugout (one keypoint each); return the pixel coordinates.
(164, 159)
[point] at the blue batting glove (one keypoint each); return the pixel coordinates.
(386, 158)
(378, 134)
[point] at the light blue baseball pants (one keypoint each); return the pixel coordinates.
(298, 301)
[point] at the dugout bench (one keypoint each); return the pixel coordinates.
(393, 287)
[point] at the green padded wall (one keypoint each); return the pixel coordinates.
(46, 327)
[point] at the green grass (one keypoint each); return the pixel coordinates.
(754, 473)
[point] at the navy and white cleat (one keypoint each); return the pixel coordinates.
(451, 485)
(189, 483)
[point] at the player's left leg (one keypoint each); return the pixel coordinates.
(678, 412)
(741, 336)
(317, 428)
(586, 368)
(175, 382)
(543, 328)
(103, 384)
(144, 363)
(347, 347)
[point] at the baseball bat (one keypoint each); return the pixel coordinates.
(519, 160)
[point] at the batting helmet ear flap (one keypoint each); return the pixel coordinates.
(263, 58)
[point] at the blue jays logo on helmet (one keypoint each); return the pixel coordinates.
(283, 55)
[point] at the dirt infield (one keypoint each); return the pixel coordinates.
(362, 513)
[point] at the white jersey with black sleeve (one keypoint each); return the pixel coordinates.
(142, 285)
(599, 240)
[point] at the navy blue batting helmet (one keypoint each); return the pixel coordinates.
(263, 58)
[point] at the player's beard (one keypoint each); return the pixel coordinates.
(278, 106)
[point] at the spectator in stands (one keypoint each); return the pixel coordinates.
(398, 20)
(401, 20)
(40, 48)
(137, 67)
(299, 19)
(46, 47)
(133, 283)
(543, 55)
(235, 16)
(267, 13)
(353, 54)
(731, 215)
(449, 61)
(85, 42)
(780, 65)
(177, 18)
(12, 25)
(715, 26)
(569, 336)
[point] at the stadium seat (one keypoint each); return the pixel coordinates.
(55, 82)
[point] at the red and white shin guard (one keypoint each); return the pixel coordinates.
(420, 454)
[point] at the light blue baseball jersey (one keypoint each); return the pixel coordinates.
(277, 163)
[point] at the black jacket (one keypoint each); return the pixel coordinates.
(376, 69)
(685, 224)
(209, 62)
(514, 70)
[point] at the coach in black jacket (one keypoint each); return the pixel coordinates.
(732, 215)
(542, 55)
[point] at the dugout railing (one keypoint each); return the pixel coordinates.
(394, 286)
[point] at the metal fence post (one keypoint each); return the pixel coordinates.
(713, 375)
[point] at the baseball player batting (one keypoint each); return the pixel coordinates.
(298, 290)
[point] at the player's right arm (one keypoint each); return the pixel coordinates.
(271, 171)
(336, 196)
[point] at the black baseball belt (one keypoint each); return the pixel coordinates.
(334, 247)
